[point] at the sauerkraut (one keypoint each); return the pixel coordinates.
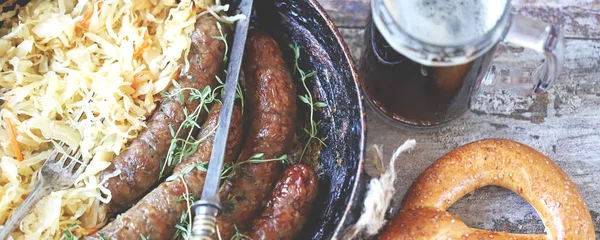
(108, 58)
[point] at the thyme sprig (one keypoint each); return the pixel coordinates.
(201, 166)
(230, 170)
(312, 131)
(238, 235)
(183, 147)
(239, 94)
(222, 37)
(184, 227)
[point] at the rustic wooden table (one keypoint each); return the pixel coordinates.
(564, 123)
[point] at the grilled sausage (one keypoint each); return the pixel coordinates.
(272, 100)
(286, 212)
(156, 214)
(140, 164)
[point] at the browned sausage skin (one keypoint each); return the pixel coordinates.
(290, 204)
(156, 214)
(140, 164)
(272, 100)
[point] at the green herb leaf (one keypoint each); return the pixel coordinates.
(187, 170)
(217, 38)
(172, 131)
(171, 178)
(321, 104)
(176, 84)
(181, 98)
(202, 168)
(206, 92)
(310, 74)
(304, 99)
(296, 50)
(219, 26)
(194, 95)
(302, 74)
(180, 228)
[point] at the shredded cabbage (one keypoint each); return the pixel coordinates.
(107, 57)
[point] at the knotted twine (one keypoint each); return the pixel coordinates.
(380, 193)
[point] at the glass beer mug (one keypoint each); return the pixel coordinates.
(423, 60)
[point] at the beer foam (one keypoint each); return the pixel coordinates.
(446, 22)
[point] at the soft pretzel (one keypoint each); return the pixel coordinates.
(505, 163)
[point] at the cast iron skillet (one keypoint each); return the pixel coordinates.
(342, 180)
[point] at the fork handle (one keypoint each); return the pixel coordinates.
(35, 196)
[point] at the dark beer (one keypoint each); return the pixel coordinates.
(413, 94)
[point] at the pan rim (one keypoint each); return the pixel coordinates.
(349, 62)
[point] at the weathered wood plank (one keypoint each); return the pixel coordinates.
(564, 124)
(580, 18)
(347, 13)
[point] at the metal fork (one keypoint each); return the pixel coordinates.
(56, 174)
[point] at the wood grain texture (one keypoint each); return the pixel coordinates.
(580, 18)
(563, 124)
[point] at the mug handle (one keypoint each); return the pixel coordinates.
(544, 38)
